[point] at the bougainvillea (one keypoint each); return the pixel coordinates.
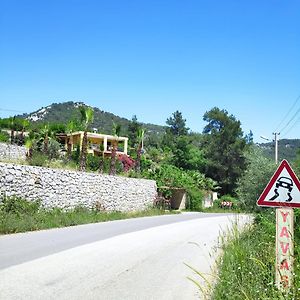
(127, 162)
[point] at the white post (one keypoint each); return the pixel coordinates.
(276, 146)
(105, 144)
(125, 146)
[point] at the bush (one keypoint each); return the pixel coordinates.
(38, 159)
(76, 154)
(54, 149)
(171, 176)
(16, 205)
(247, 268)
(93, 162)
(4, 137)
(255, 178)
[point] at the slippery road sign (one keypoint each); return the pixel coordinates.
(283, 190)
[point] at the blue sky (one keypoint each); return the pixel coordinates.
(151, 58)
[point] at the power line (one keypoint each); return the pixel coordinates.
(292, 118)
(290, 128)
(290, 110)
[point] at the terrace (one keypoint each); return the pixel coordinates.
(97, 143)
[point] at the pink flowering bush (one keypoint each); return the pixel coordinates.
(127, 162)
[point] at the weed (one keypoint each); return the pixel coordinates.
(247, 268)
(19, 215)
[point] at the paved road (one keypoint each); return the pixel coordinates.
(128, 259)
(19, 248)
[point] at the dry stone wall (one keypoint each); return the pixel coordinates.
(12, 152)
(69, 189)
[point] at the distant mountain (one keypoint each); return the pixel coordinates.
(287, 149)
(103, 121)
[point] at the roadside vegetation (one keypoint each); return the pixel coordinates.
(247, 266)
(221, 158)
(19, 215)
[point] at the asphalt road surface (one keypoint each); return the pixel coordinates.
(144, 258)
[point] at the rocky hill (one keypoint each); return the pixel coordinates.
(103, 121)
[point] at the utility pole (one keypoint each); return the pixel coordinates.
(276, 134)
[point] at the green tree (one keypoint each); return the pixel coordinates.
(177, 125)
(25, 125)
(45, 134)
(133, 127)
(224, 146)
(87, 117)
(255, 178)
(12, 123)
(70, 128)
(186, 155)
(176, 129)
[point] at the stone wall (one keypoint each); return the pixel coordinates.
(12, 152)
(68, 189)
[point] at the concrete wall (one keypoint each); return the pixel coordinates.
(12, 152)
(68, 189)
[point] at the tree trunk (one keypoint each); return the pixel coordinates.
(12, 136)
(101, 163)
(46, 143)
(138, 159)
(22, 140)
(113, 160)
(30, 152)
(83, 154)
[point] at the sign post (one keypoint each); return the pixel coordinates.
(284, 248)
(283, 192)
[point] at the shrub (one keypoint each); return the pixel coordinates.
(171, 176)
(127, 162)
(4, 137)
(38, 159)
(255, 178)
(16, 205)
(76, 154)
(53, 149)
(93, 162)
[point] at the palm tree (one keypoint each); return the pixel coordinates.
(71, 127)
(45, 134)
(101, 161)
(12, 127)
(25, 124)
(140, 140)
(116, 133)
(87, 117)
(29, 146)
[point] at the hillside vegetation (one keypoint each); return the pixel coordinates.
(287, 149)
(66, 111)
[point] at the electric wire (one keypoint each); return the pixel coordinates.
(290, 128)
(287, 114)
(291, 120)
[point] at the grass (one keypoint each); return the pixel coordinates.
(247, 268)
(18, 215)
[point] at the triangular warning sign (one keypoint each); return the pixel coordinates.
(283, 190)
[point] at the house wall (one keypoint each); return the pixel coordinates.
(12, 152)
(68, 189)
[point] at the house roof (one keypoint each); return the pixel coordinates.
(99, 136)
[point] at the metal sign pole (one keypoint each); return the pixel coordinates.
(284, 248)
